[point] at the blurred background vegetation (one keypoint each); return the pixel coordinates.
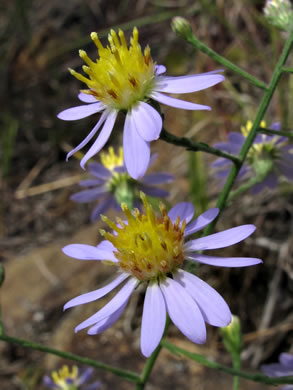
(39, 41)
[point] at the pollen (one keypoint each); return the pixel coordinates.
(111, 160)
(122, 75)
(149, 247)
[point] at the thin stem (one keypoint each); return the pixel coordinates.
(287, 70)
(191, 38)
(236, 365)
(128, 375)
(228, 370)
(196, 147)
(253, 132)
(275, 132)
(151, 361)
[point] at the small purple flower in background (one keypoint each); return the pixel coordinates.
(151, 249)
(284, 368)
(76, 379)
(112, 185)
(269, 158)
(126, 79)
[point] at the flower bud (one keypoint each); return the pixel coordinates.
(232, 336)
(279, 13)
(181, 27)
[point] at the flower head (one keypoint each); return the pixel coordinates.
(112, 185)
(74, 379)
(279, 13)
(126, 78)
(151, 249)
(283, 368)
(269, 157)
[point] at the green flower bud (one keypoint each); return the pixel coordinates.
(280, 14)
(262, 167)
(181, 27)
(232, 336)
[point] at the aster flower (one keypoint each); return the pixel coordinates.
(64, 379)
(283, 368)
(269, 157)
(126, 79)
(151, 250)
(112, 185)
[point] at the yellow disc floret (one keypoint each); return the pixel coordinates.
(61, 377)
(148, 247)
(111, 160)
(122, 75)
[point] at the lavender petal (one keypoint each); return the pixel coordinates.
(177, 103)
(102, 138)
(153, 191)
(184, 311)
(86, 98)
(201, 222)
(106, 323)
(89, 195)
(157, 178)
(98, 170)
(214, 309)
(184, 210)
(220, 240)
(223, 261)
(87, 252)
(79, 112)
(147, 121)
(102, 207)
(153, 320)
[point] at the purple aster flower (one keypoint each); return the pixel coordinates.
(112, 185)
(151, 249)
(127, 79)
(269, 157)
(76, 379)
(284, 368)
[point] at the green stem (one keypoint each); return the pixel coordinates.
(191, 38)
(253, 132)
(228, 370)
(196, 147)
(151, 361)
(246, 186)
(275, 132)
(128, 375)
(287, 70)
(236, 365)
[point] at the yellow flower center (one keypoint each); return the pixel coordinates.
(148, 247)
(111, 160)
(60, 377)
(122, 75)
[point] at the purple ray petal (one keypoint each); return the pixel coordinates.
(106, 245)
(88, 252)
(136, 150)
(49, 382)
(214, 309)
(220, 162)
(86, 98)
(147, 121)
(79, 112)
(276, 370)
(286, 170)
(202, 221)
(223, 173)
(97, 294)
(85, 376)
(286, 359)
(228, 147)
(98, 170)
(223, 261)
(220, 240)
(236, 138)
(275, 126)
(102, 138)
(89, 195)
(159, 69)
(158, 178)
(91, 182)
(89, 136)
(153, 159)
(111, 307)
(106, 323)
(184, 210)
(183, 311)
(153, 191)
(153, 320)
(177, 103)
(102, 207)
(189, 83)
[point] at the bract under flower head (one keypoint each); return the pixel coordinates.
(122, 75)
(148, 247)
